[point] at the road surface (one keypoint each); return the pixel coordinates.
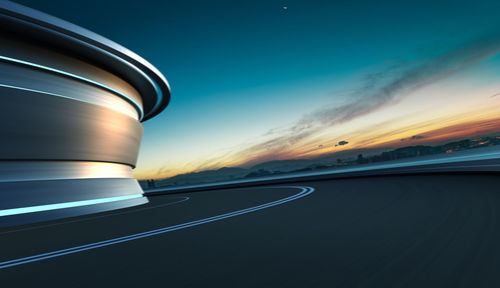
(390, 231)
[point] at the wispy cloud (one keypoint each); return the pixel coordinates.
(375, 91)
(379, 91)
(414, 137)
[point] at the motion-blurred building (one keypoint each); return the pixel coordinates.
(72, 103)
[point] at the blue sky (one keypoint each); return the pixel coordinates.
(240, 69)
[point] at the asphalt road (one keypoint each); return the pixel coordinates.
(391, 231)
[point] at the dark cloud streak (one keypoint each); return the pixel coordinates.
(378, 90)
(377, 95)
(415, 137)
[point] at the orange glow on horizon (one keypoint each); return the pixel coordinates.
(415, 121)
(433, 134)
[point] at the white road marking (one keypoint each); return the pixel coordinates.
(185, 198)
(305, 190)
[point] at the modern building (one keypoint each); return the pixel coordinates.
(71, 108)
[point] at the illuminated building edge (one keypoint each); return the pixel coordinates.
(72, 107)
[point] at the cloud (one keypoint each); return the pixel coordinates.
(162, 170)
(391, 85)
(454, 131)
(415, 137)
(375, 91)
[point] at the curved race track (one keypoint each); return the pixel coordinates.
(391, 231)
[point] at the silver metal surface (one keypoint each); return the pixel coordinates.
(15, 171)
(40, 27)
(46, 82)
(15, 49)
(70, 113)
(37, 126)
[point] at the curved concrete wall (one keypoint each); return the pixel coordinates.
(72, 103)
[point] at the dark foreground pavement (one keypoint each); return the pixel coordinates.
(400, 231)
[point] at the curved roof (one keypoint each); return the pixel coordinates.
(151, 84)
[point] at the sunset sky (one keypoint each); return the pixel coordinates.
(254, 81)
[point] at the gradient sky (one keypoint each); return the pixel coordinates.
(254, 81)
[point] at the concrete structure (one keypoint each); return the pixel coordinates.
(70, 112)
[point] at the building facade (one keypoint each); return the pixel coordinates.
(72, 103)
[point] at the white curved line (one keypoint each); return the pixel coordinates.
(68, 97)
(305, 191)
(82, 79)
